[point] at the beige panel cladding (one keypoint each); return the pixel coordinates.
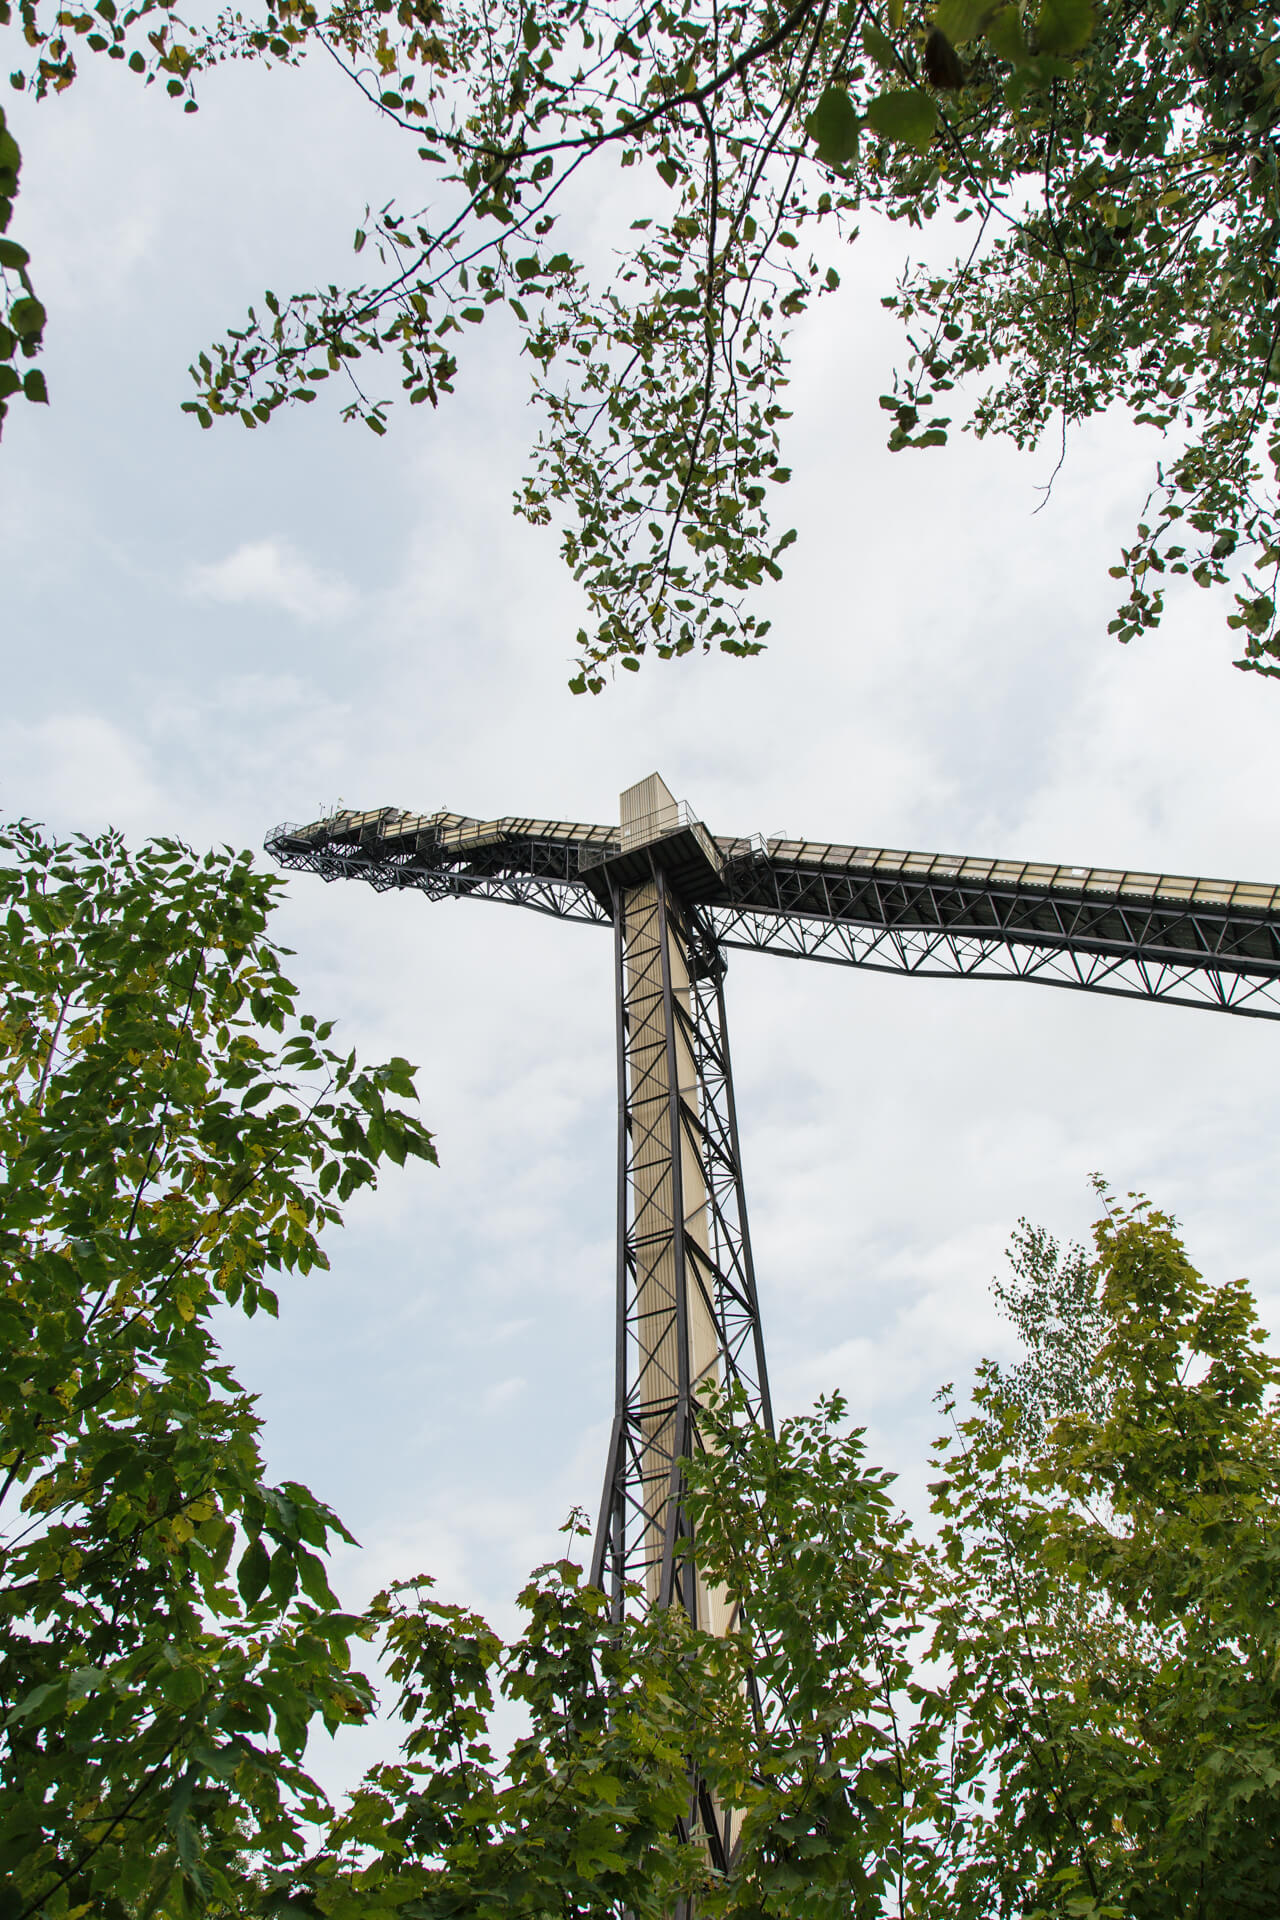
(647, 810)
(654, 1234)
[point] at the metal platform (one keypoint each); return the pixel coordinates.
(1195, 942)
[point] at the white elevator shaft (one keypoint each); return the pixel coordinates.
(677, 1340)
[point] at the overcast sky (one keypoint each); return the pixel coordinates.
(209, 633)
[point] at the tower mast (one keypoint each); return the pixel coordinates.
(687, 1311)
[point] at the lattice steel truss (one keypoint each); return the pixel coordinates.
(1201, 943)
(687, 1312)
(678, 900)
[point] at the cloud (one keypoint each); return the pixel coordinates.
(79, 771)
(502, 1392)
(271, 573)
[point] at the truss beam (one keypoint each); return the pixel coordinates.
(1200, 943)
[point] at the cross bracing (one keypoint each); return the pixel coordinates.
(1206, 943)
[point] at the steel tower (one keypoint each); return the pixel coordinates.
(678, 898)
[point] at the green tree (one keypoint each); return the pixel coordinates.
(1105, 1594)
(1118, 160)
(798, 1720)
(172, 1133)
(1062, 1704)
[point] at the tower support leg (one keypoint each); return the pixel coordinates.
(686, 1294)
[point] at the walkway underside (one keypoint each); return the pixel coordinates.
(1205, 943)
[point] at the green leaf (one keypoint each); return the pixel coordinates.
(879, 47)
(282, 1574)
(181, 1687)
(1064, 26)
(51, 1694)
(1006, 38)
(253, 1572)
(27, 318)
(834, 125)
(315, 1584)
(12, 255)
(908, 117)
(961, 20)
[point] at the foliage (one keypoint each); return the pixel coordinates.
(139, 36)
(21, 314)
(1063, 1703)
(1139, 273)
(1105, 1600)
(581, 1817)
(172, 1134)
(1118, 158)
(1052, 1299)
(1062, 1706)
(838, 1786)
(635, 1728)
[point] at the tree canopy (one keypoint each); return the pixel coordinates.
(1062, 1701)
(1116, 159)
(1061, 1704)
(172, 1133)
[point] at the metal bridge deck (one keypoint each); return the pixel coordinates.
(1198, 942)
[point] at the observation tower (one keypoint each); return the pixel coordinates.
(678, 900)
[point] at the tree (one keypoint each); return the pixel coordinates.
(1105, 1594)
(23, 317)
(172, 1133)
(1118, 160)
(635, 1729)
(1064, 1705)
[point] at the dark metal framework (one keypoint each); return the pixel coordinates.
(1199, 943)
(687, 1311)
(678, 899)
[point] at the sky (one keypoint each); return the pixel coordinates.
(207, 634)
